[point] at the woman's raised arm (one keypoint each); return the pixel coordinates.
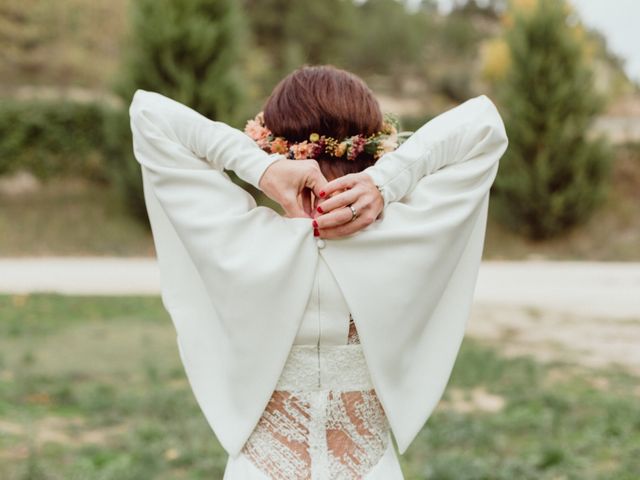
(458, 135)
(169, 134)
(469, 131)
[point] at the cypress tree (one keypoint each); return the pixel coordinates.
(553, 175)
(190, 51)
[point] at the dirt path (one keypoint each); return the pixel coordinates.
(602, 289)
(594, 289)
(584, 311)
(80, 275)
(591, 341)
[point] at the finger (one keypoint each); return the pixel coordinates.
(340, 183)
(343, 230)
(344, 217)
(306, 201)
(339, 216)
(311, 178)
(294, 208)
(316, 181)
(340, 200)
(303, 202)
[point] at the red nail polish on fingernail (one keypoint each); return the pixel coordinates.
(320, 209)
(315, 224)
(316, 232)
(322, 194)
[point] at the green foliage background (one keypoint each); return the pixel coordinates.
(53, 138)
(223, 57)
(552, 176)
(189, 51)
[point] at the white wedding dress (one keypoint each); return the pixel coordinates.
(324, 420)
(261, 308)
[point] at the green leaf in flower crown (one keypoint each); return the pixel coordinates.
(371, 147)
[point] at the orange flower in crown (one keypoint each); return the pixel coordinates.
(279, 145)
(302, 150)
(377, 144)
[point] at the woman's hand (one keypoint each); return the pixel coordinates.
(293, 184)
(334, 217)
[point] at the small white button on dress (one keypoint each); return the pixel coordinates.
(320, 242)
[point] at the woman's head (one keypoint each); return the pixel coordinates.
(329, 101)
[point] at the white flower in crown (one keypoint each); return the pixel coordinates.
(390, 143)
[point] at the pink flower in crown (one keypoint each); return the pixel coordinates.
(357, 146)
(257, 132)
(279, 145)
(304, 150)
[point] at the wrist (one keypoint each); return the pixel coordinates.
(384, 194)
(378, 183)
(264, 175)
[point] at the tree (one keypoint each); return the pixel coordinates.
(552, 176)
(291, 33)
(190, 51)
(371, 38)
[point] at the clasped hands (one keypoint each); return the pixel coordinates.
(303, 191)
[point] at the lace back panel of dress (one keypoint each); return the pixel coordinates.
(341, 434)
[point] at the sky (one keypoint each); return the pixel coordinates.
(618, 20)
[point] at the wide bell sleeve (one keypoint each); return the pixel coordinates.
(235, 277)
(418, 266)
(438, 143)
(169, 134)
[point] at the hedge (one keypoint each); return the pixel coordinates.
(53, 138)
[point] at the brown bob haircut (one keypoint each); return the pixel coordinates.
(329, 101)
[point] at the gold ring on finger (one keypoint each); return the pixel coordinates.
(353, 212)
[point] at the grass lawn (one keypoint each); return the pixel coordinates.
(92, 388)
(70, 217)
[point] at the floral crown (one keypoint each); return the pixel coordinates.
(377, 144)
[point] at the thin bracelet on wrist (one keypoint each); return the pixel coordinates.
(382, 193)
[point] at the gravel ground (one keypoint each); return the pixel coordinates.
(588, 312)
(601, 289)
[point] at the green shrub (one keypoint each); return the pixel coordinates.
(52, 138)
(552, 176)
(190, 52)
(124, 171)
(412, 123)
